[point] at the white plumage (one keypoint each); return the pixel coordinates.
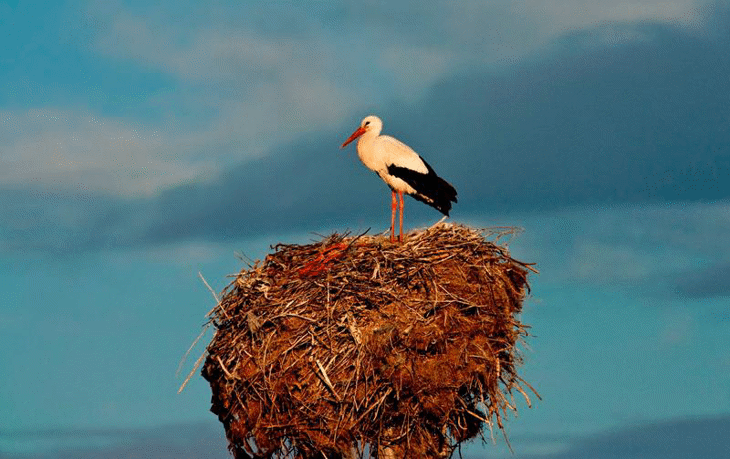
(401, 168)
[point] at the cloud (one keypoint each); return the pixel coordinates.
(209, 56)
(506, 33)
(705, 282)
(244, 84)
(582, 13)
(679, 439)
(269, 80)
(63, 149)
(182, 441)
(263, 90)
(637, 241)
(289, 80)
(583, 126)
(612, 125)
(663, 252)
(227, 42)
(671, 439)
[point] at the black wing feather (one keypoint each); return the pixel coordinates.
(430, 188)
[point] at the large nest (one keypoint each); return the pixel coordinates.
(353, 346)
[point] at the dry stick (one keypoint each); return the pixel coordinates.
(377, 404)
(190, 375)
(291, 314)
(205, 329)
(185, 357)
(215, 296)
(528, 385)
(225, 370)
(524, 394)
(328, 382)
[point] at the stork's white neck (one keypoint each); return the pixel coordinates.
(366, 150)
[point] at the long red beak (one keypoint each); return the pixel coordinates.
(358, 132)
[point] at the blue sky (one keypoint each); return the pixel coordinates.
(143, 143)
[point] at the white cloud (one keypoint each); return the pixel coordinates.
(496, 32)
(202, 55)
(81, 150)
(265, 90)
(414, 68)
(262, 89)
(586, 13)
(602, 262)
(407, 46)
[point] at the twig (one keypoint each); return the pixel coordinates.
(192, 372)
(225, 370)
(185, 357)
(328, 382)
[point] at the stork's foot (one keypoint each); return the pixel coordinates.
(393, 239)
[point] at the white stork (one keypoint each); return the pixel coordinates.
(402, 169)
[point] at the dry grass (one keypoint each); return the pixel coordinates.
(355, 347)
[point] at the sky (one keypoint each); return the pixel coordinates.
(143, 144)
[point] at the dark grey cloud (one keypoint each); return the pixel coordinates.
(642, 121)
(696, 437)
(61, 220)
(638, 120)
(708, 282)
(181, 441)
(701, 437)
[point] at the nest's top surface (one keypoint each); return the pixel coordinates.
(353, 341)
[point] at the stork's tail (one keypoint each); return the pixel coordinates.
(439, 195)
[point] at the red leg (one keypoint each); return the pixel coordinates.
(392, 218)
(400, 236)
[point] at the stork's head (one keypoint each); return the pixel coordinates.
(370, 124)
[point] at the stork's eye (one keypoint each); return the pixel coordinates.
(367, 122)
